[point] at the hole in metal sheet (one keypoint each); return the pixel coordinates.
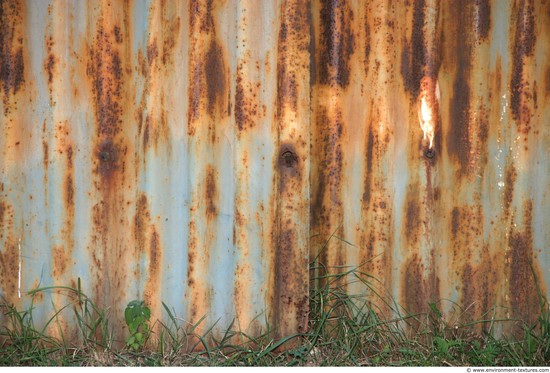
(429, 153)
(105, 156)
(288, 158)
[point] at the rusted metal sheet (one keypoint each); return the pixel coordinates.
(158, 150)
(430, 151)
(176, 151)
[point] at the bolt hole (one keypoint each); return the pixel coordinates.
(289, 158)
(104, 156)
(429, 153)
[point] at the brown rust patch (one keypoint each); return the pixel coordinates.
(330, 162)
(105, 69)
(69, 182)
(524, 44)
(509, 189)
(50, 62)
(108, 155)
(141, 222)
(292, 47)
(152, 288)
(9, 270)
(417, 61)
(12, 65)
(190, 269)
(60, 261)
(458, 140)
(194, 94)
(483, 18)
(337, 43)
(246, 102)
(412, 215)
(479, 290)
(419, 286)
(216, 73)
(117, 34)
(200, 16)
(2, 213)
(211, 193)
(152, 51)
(525, 304)
(458, 143)
(147, 132)
(289, 165)
(455, 221)
(170, 40)
(208, 91)
(367, 185)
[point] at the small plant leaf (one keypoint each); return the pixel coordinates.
(128, 316)
(147, 313)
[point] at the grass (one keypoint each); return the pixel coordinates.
(344, 330)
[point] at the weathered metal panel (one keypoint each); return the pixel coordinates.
(175, 151)
(158, 150)
(430, 151)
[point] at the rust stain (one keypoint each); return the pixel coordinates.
(483, 18)
(154, 275)
(511, 176)
(367, 188)
(330, 163)
(287, 310)
(458, 138)
(9, 254)
(337, 43)
(105, 69)
(417, 61)
(170, 40)
(2, 214)
(480, 289)
(12, 66)
(108, 154)
(60, 261)
(420, 286)
(211, 193)
(69, 181)
(152, 52)
(108, 72)
(246, 101)
(413, 219)
(190, 268)
(141, 222)
(216, 78)
(290, 43)
(9, 269)
(525, 279)
(524, 44)
(208, 91)
(50, 62)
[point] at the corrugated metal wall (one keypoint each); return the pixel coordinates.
(177, 151)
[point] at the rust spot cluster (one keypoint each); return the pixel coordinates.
(12, 66)
(337, 43)
(524, 42)
(208, 72)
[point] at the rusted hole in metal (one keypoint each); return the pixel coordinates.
(105, 156)
(429, 153)
(288, 158)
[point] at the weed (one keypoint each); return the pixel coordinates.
(343, 330)
(136, 316)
